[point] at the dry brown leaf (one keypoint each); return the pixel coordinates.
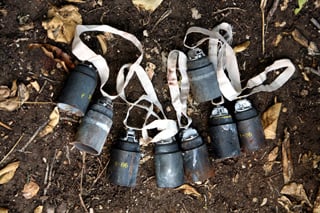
(316, 204)
(13, 103)
(189, 190)
(103, 38)
(55, 53)
(39, 209)
(7, 173)
(287, 166)
(270, 121)
(53, 121)
(285, 203)
(26, 27)
(30, 190)
(296, 191)
(317, 4)
(277, 40)
(4, 92)
(35, 85)
(241, 47)
(63, 22)
(4, 210)
(149, 5)
(267, 167)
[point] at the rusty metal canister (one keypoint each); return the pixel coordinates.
(249, 126)
(168, 164)
(197, 166)
(202, 77)
(224, 134)
(95, 127)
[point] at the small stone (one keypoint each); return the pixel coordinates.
(284, 109)
(145, 33)
(255, 200)
(304, 93)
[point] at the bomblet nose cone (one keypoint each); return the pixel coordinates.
(195, 54)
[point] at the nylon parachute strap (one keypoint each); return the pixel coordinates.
(224, 60)
(84, 53)
(179, 95)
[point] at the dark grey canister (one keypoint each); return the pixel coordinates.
(168, 164)
(78, 89)
(95, 127)
(202, 77)
(249, 126)
(196, 163)
(124, 161)
(224, 134)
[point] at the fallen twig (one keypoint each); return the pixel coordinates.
(50, 173)
(33, 136)
(81, 180)
(272, 10)
(287, 166)
(263, 4)
(5, 126)
(11, 150)
(162, 17)
(226, 9)
(315, 23)
(100, 174)
(314, 71)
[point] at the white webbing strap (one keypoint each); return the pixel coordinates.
(223, 58)
(179, 95)
(84, 53)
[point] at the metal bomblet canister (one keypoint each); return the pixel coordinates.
(202, 76)
(124, 161)
(95, 127)
(78, 89)
(197, 167)
(223, 134)
(249, 125)
(168, 164)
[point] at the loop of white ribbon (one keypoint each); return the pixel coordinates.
(84, 53)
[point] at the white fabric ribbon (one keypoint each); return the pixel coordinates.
(167, 128)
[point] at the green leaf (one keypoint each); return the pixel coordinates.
(301, 3)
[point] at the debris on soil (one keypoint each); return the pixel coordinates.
(149, 5)
(272, 156)
(241, 47)
(270, 121)
(150, 67)
(296, 191)
(30, 190)
(287, 164)
(4, 210)
(12, 99)
(39, 209)
(103, 39)
(189, 190)
(7, 173)
(53, 121)
(56, 54)
(62, 23)
(195, 13)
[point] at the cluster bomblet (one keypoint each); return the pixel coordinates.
(95, 127)
(197, 167)
(124, 160)
(224, 134)
(202, 76)
(78, 89)
(168, 164)
(249, 126)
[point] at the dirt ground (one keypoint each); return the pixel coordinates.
(239, 185)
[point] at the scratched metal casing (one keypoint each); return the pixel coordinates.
(78, 89)
(224, 134)
(124, 161)
(202, 76)
(95, 127)
(249, 126)
(168, 164)
(197, 166)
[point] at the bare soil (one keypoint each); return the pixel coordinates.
(239, 185)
